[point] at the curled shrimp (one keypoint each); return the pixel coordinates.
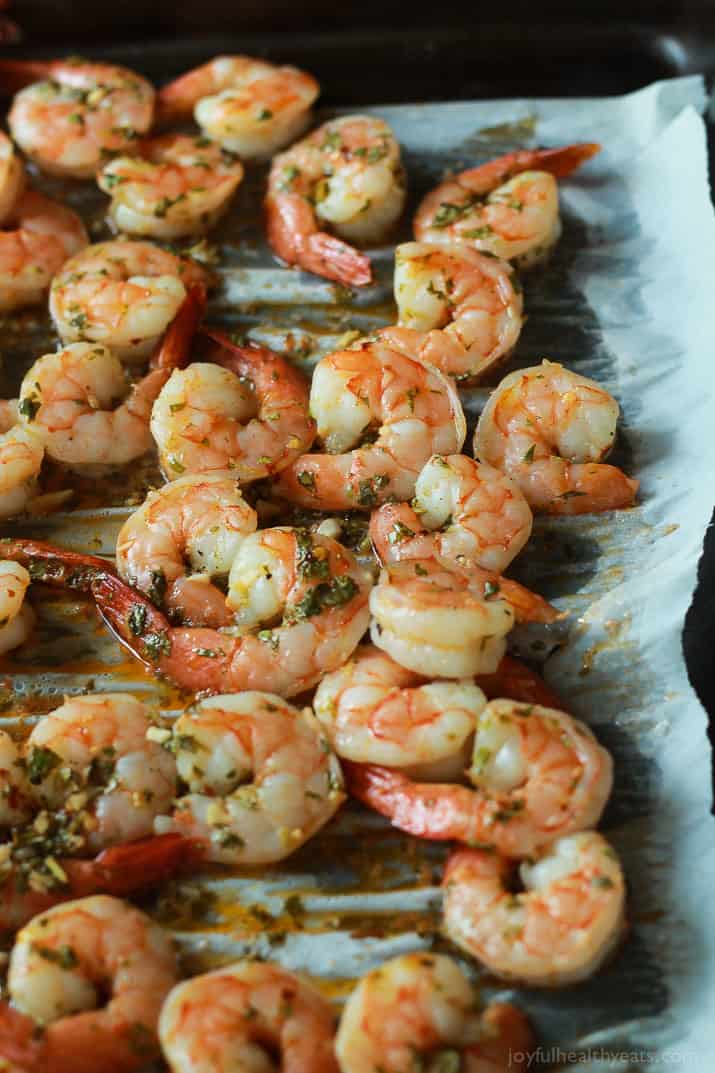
(461, 309)
(72, 114)
(87, 981)
(16, 616)
(248, 105)
(183, 536)
(376, 712)
(463, 514)
(380, 414)
(122, 294)
(508, 207)
(246, 411)
(557, 930)
(308, 592)
(549, 428)
(173, 186)
(537, 774)
(12, 176)
(420, 1011)
(38, 237)
(261, 778)
(346, 174)
(247, 1016)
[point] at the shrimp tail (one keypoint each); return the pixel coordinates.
(173, 350)
(528, 605)
(293, 234)
(514, 680)
(338, 260)
(124, 869)
(423, 810)
(53, 565)
(560, 162)
(133, 619)
(564, 160)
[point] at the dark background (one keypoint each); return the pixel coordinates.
(382, 51)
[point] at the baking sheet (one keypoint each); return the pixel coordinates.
(626, 298)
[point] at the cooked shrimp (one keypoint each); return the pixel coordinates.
(87, 981)
(15, 790)
(461, 309)
(261, 778)
(69, 396)
(537, 774)
(39, 236)
(184, 535)
(12, 176)
(252, 107)
(380, 413)
(348, 174)
(248, 1016)
(559, 929)
(21, 453)
(16, 616)
(508, 207)
(464, 514)
(92, 760)
(122, 294)
(376, 712)
(72, 114)
(549, 428)
(175, 185)
(419, 1011)
(248, 414)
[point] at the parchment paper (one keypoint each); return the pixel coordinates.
(628, 299)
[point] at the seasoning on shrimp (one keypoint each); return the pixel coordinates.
(247, 1015)
(173, 186)
(73, 114)
(16, 616)
(508, 207)
(346, 174)
(537, 774)
(87, 981)
(557, 930)
(419, 1011)
(261, 778)
(183, 536)
(461, 310)
(122, 294)
(22, 450)
(549, 428)
(380, 414)
(247, 105)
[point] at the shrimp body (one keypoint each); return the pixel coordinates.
(248, 105)
(558, 930)
(438, 623)
(375, 711)
(15, 789)
(68, 397)
(549, 428)
(16, 617)
(61, 964)
(91, 758)
(380, 414)
(537, 774)
(508, 207)
(22, 450)
(248, 414)
(38, 237)
(463, 514)
(184, 535)
(178, 185)
(346, 174)
(12, 176)
(122, 294)
(419, 1011)
(261, 778)
(307, 591)
(246, 1017)
(463, 308)
(73, 114)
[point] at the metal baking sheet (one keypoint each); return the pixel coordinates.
(624, 299)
